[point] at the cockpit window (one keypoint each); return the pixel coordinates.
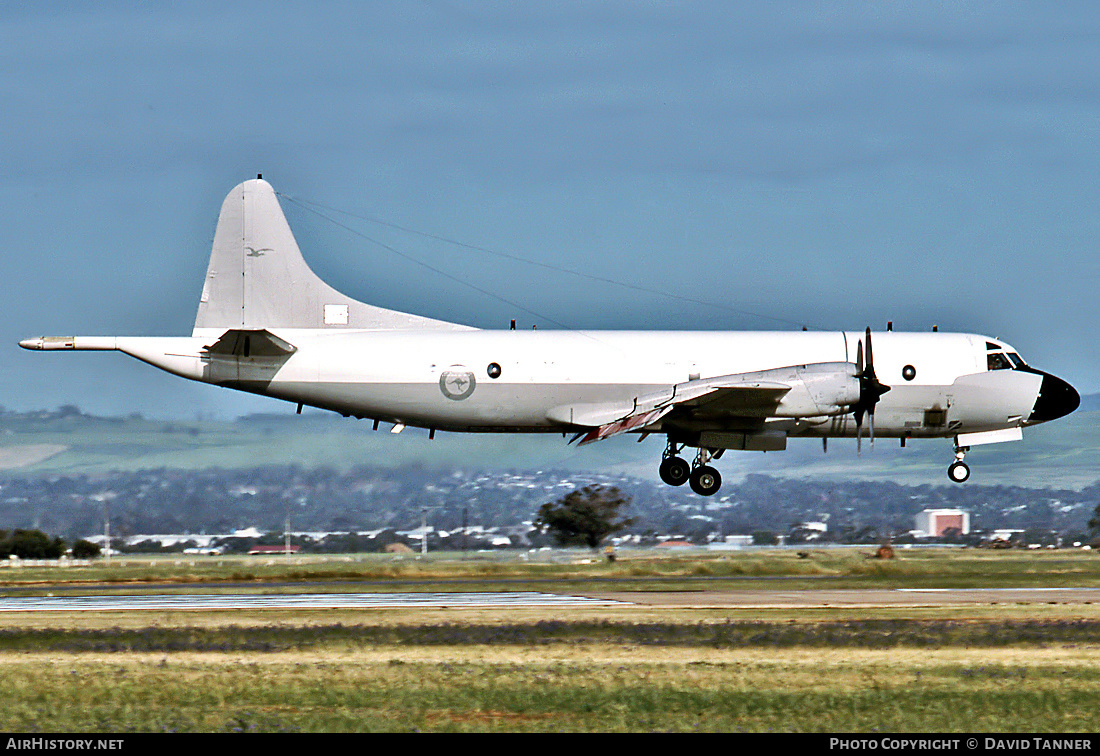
(998, 361)
(991, 347)
(1016, 361)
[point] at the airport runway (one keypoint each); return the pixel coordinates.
(721, 599)
(127, 603)
(859, 598)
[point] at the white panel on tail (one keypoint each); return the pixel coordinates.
(258, 279)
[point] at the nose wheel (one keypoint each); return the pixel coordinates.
(959, 471)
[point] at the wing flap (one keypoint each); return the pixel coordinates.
(633, 422)
(724, 395)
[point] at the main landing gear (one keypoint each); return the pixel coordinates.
(959, 471)
(674, 470)
(703, 478)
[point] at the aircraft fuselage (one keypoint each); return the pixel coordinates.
(940, 383)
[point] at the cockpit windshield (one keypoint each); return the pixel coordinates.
(1003, 361)
(1001, 357)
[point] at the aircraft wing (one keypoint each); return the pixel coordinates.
(741, 402)
(733, 395)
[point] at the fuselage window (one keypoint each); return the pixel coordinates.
(998, 361)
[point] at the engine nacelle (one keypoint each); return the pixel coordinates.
(820, 389)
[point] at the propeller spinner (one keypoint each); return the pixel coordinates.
(870, 390)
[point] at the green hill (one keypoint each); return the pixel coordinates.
(1062, 454)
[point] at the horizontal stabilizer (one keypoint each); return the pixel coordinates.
(250, 343)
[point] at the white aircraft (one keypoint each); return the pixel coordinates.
(268, 325)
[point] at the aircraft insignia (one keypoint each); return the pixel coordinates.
(457, 383)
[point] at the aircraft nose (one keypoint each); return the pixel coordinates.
(1056, 399)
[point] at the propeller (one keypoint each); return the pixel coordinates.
(870, 389)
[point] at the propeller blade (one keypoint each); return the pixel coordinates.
(870, 390)
(870, 358)
(859, 431)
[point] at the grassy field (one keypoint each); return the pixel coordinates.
(593, 687)
(993, 667)
(641, 569)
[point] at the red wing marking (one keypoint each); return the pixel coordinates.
(622, 426)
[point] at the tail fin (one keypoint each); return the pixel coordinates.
(257, 278)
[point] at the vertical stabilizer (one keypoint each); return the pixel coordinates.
(257, 278)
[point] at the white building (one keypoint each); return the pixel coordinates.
(811, 531)
(934, 523)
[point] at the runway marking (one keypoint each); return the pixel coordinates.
(293, 601)
(989, 590)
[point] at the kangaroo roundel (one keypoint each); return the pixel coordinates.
(457, 383)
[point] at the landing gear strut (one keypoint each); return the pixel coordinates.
(704, 479)
(959, 471)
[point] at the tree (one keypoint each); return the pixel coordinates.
(30, 544)
(1094, 521)
(584, 517)
(83, 549)
(764, 538)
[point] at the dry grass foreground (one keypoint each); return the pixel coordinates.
(581, 687)
(1036, 670)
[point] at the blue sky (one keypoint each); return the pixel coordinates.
(833, 164)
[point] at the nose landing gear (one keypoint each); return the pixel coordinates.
(959, 471)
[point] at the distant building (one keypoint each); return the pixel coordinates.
(730, 543)
(274, 550)
(809, 531)
(675, 544)
(934, 523)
